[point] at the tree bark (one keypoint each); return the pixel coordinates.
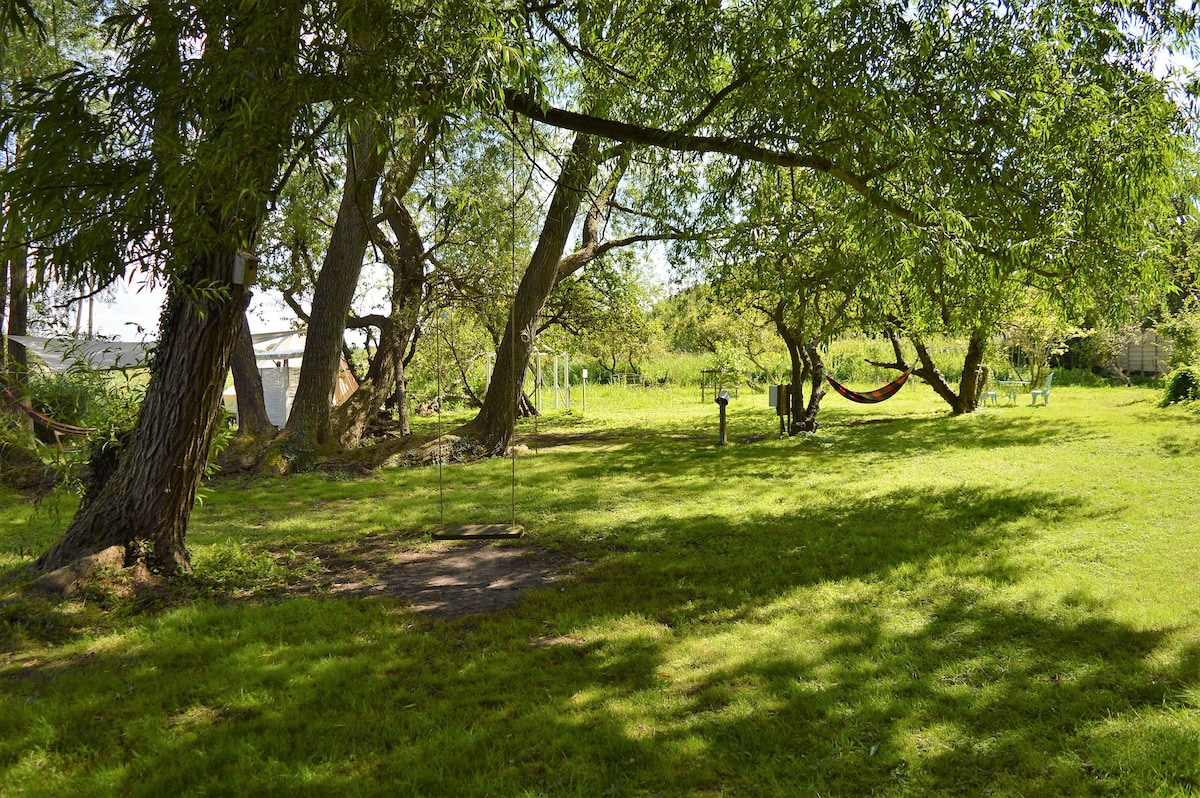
(807, 365)
(310, 425)
(497, 418)
(150, 496)
(4, 269)
(966, 398)
(253, 421)
(814, 370)
(386, 374)
(398, 401)
(148, 500)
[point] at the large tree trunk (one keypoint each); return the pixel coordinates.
(150, 496)
(398, 401)
(807, 366)
(5, 256)
(310, 425)
(253, 421)
(386, 373)
(966, 399)
(4, 269)
(148, 500)
(497, 418)
(804, 414)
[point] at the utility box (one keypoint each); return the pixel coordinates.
(781, 399)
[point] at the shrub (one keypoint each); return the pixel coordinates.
(1183, 331)
(1181, 385)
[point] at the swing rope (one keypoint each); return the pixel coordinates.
(512, 281)
(441, 455)
(475, 531)
(871, 397)
(437, 337)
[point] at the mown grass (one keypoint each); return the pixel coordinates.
(904, 604)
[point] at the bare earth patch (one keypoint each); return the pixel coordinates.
(443, 580)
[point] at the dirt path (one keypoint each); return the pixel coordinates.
(444, 580)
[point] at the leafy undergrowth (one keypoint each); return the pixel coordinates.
(904, 604)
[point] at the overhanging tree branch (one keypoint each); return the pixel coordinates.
(529, 107)
(681, 141)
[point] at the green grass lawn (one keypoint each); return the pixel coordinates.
(905, 604)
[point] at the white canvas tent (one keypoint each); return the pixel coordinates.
(279, 356)
(60, 354)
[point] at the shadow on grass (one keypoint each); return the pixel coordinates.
(972, 694)
(835, 644)
(983, 697)
(894, 439)
(856, 648)
(704, 565)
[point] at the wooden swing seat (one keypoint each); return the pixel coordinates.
(477, 532)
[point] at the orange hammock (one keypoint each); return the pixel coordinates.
(871, 397)
(44, 420)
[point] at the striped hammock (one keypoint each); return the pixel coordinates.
(871, 397)
(42, 418)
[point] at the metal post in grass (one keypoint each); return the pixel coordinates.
(537, 381)
(584, 377)
(722, 399)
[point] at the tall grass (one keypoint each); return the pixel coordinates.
(903, 604)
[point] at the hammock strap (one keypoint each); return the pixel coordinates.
(871, 397)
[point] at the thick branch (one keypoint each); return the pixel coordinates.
(370, 320)
(684, 142)
(294, 304)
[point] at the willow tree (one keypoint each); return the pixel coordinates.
(187, 173)
(173, 151)
(584, 41)
(1018, 144)
(801, 254)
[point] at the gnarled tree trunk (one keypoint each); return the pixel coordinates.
(807, 366)
(386, 373)
(497, 418)
(966, 398)
(150, 496)
(310, 425)
(148, 500)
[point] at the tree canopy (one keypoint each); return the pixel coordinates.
(928, 163)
